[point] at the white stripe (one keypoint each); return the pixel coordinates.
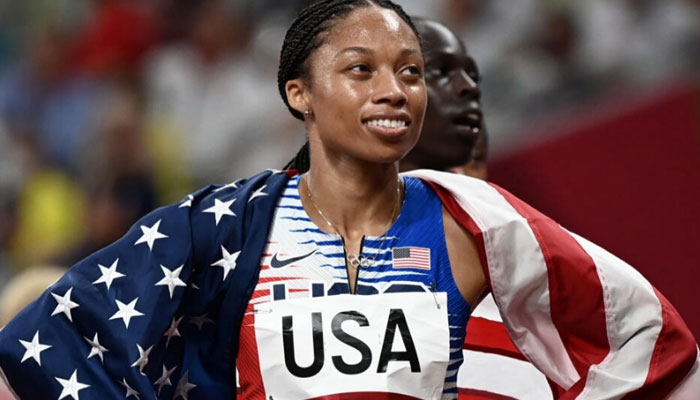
(689, 388)
(630, 303)
(502, 375)
(518, 275)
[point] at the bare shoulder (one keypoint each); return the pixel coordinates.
(464, 260)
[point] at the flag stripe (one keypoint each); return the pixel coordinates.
(496, 225)
(668, 352)
(490, 337)
(475, 394)
(654, 373)
(572, 274)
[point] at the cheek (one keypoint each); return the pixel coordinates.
(436, 104)
(419, 98)
(341, 98)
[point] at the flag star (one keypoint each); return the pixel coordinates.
(126, 312)
(143, 358)
(258, 193)
(164, 380)
(183, 386)
(171, 279)
(97, 349)
(172, 331)
(71, 386)
(150, 235)
(108, 274)
(232, 185)
(64, 304)
(228, 262)
(220, 208)
(129, 391)
(34, 349)
(188, 202)
(200, 320)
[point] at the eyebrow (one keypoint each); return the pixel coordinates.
(354, 49)
(367, 51)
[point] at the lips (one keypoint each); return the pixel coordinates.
(388, 124)
(469, 122)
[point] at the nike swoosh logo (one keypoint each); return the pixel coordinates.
(277, 263)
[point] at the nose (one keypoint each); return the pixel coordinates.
(466, 87)
(389, 89)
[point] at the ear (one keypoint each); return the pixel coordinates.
(298, 95)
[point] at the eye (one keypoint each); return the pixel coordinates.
(412, 70)
(439, 72)
(474, 75)
(360, 68)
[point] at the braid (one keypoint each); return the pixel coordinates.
(305, 36)
(301, 161)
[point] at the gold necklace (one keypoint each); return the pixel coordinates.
(357, 260)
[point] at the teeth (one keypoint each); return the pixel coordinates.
(386, 123)
(474, 117)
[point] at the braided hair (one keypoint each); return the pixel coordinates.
(304, 37)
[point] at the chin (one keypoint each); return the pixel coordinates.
(389, 156)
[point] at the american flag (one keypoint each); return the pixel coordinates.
(411, 257)
(156, 314)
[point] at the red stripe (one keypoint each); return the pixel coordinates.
(575, 291)
(277, 279)
(365, 396)
(414, 258)
(250, 380)
(291, 172)
(474, 394)
(489, 336)
(674, 355)
(466, 221)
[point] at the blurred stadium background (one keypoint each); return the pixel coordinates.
(110, 108)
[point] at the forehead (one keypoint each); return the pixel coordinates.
(439, 40)
(371, 26)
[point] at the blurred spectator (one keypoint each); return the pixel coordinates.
(207, 91)
(117, 177)
(50, 215)
(640, 41)
(46, 112)
(24, 288)
(116, 38)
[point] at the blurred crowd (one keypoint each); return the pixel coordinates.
(110, 108)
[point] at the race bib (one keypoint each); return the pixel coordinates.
(353, 347)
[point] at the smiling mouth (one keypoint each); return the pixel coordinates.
(386, 123)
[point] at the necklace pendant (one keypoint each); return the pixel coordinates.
(359, 260)
(354, 260)
(365, 262)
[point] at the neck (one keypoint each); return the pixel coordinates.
(357, 198)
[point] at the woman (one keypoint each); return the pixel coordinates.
(166, 310)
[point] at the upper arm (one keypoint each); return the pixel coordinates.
(464, 260)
